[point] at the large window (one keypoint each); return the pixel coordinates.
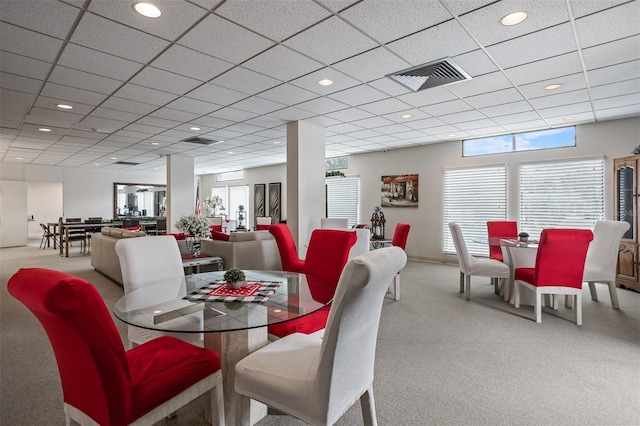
(542, 139)
(343, 198)
(561, 194)
(232, 198)
(473, 196)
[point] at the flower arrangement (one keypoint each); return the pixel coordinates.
(193, 225)
(213, 202)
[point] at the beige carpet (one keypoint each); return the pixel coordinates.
(441, 360)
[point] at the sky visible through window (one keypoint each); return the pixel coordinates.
(542, 139)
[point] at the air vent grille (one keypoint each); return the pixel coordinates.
(126, 163)
(201, 141)
(433, 74)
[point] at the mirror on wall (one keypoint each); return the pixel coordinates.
(139, 199)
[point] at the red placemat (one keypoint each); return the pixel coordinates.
(245, 290)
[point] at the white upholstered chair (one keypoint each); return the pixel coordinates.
(334, 223)
(147, 261)
(602, 257)
(317, 380)
(362, 243)
(470, 265)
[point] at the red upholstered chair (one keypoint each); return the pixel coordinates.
(287, 248)
(102, 383)
(559, 268)
(327, 254)
(500, 229)
(400, 236)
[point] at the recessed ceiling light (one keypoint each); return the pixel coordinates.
(453, 135)
(406, 116)
(230, 152)
(195, 128)
(19, 158)
(147, 9)
(276, 142)
(569, 118)
(155, 143)
(114, 158)
(63, 106)
(553, 87)
(325, 82)
(96, 164)
(513, 18)
(44, 129)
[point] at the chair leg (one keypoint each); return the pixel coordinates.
(461, 282)
(396, 287)
(592, 290)
(538, 307)
(567, 301)
(217, 405)
(242, 411)
(368, 408)
(516, 294)
(577, 312)
(613, 293)
(468, 287)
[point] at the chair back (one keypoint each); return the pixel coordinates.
(363, 241)
(602, 256)
(148, 260)
(89, 352)
(263, 223)
(334, 223)
(45, 229)
(464, 258)
(400, 235)
(561, 256)
(287, 248)
(73, 220)
(327, 254)
(161, 224)
(347, 355)
(500, 229)
(129, 223)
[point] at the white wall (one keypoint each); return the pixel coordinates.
(44, 203)
(13, 213)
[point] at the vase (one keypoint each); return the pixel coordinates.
(235, 285)
(193, 244)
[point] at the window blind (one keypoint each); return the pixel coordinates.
(562, 194)
(473, 196)
(343, 198)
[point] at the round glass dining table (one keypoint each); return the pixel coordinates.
(199, 303)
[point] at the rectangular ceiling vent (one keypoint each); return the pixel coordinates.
(433, 74)
(200, 141)
(126, 163)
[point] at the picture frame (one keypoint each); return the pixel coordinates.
(259, 201)
(399, 190)
(275, 202)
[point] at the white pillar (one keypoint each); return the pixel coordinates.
(305, 180)
(181, 194)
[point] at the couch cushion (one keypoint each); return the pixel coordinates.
(216, 228)
(217, 235)
(250, 236)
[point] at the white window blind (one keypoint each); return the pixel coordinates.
(473, 196)
(562, 194)
(343, 198)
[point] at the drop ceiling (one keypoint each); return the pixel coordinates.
(239, 70)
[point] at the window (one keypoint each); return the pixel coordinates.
(561, 194)
(542, 139)
(227, 176)
(471, 198)
(232, 198)
(343, 198)
(336, 163)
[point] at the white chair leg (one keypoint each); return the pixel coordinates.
(368, 407)
(592, 290)
(243, 417)
(578, 309)
(538, 307)
(567, 301)
(613, 293)
(516, 294)
(468, 287)
(396, 287)
(461, 282)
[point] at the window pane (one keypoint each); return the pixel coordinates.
(493, 145)
(343, 198)
(239, 195)
(555, 138)
(471, 198)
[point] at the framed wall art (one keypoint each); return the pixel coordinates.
(399, 191)
(259, 208)
(275, 203)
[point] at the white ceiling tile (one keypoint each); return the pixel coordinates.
(554, 67)
(28, 43)
(560, 121)
(617, 101)
(476, 124)
(72, 95)
(83, 80)
(259, 16)
(486, 131)
(569, 83)
(587, 7)
(358, 95)
(188, 62)
(445, 108)
(258, 105)
(506, 109)
(475, 63)
(230, 115)
(559, 99)
(616, 52)
(614, 73)
(193, 106)
(245, 81)
(321, 105)
(416, 114)
(143, 94)
(92, 61)
(386, 106)
(625, 111)
(176, 16)
(460, 7)
(79, 109)
(325, 41)
(21, 65)
(485, 24)
(116, 39)
(438, 39)
(549, 42)
(288, 94)
(521, 117)
(155, 78)
(115, 114)
(270, 63)
(497, 97)
(619, 22)
(20, 84)
(390, 87)
(461, 117)
(310, 81)
(483, 84)
(616, 89)
(373, 122)
(430, 96)
(217, 94)
(51, 18)
(565, 110)
(389, 20)
(425, 123)
(350, 114)
(371, 65)
(129, 106)
(104, 124)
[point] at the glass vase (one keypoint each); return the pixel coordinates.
(193, 244)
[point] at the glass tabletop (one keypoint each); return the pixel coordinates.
(164, 305)
(507, 242)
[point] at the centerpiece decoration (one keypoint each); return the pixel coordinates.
(235, 278)
(213, 203)
(377, 223)
(241, 215)
(523, 236)
(194, 226)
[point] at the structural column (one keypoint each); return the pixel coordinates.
(181, 194)
(305, 180)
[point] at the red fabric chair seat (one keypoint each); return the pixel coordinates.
(216, 228)
(181, 365)
(262, 227)
(525, 274)
(217, 235)
(307, 324)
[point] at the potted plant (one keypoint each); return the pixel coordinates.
(234, 278)
(523, 236)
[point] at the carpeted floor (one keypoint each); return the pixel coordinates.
(441, 360)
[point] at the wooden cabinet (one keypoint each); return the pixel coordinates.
(626, 210)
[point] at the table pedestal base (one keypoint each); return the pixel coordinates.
(232, 347)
